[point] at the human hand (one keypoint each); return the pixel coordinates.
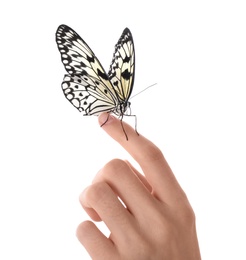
(157, 221)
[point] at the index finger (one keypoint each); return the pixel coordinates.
(149, 157)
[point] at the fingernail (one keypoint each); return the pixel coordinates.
(105, 118)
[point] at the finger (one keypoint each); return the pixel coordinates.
(140, 176)
(93, 214)
(96, 244)
(126, 185)
(101, 198)
(149, 157)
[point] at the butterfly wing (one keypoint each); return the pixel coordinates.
(87, 86)
(122, 68)
(89, 96)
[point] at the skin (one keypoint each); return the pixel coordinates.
(157, 221)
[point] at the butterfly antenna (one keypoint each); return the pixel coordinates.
(143, 90)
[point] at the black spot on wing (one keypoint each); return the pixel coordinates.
(102, 74)
(126, 75)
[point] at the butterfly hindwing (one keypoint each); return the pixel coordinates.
(89, 96)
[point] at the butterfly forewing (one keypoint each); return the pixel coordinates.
(122, 68)
(76, 55)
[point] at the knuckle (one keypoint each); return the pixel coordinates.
(114, 167)
(84, 228)
(153, 153)
(185, 215)
(188, 216)
(96, 192)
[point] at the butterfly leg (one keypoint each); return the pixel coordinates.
(135, 122)
(121, 121)
(130, 114)
(121, 118)
(105, 121)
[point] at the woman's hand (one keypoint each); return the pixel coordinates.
(156, 220)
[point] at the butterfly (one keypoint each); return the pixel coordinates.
(87, 86)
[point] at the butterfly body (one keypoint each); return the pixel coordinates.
(87, 86)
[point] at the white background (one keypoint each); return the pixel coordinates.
(196, 53)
